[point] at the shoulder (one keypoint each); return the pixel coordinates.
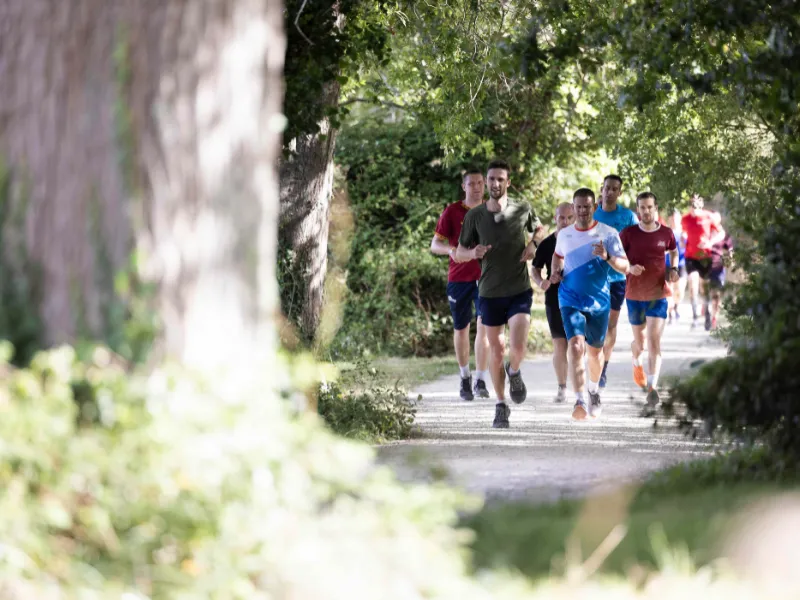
(604, 229)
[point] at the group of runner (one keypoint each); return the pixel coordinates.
(599, 257)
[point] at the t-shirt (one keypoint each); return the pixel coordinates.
(719, 251)
(585, 284)
(502, 273)
(647, 248)
(619, 219)
(449, 229)
(699, 227)
(544, 258)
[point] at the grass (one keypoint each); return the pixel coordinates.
(689, 508)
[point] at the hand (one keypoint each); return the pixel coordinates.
(528, 253)
(556, 278)
(478, 252)
(636, 270)
(599, 249)
(673, 276)
(544, 285)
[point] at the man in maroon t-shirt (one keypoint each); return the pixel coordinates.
(462, 287)
(647, 288)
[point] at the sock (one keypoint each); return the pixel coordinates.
(501, 401)
(512, 371)
(482, 375)
(593, 386)
(694, 310)
(579, 397)
(562, 386)
(464, 371)
(650, 381)
(637, 361)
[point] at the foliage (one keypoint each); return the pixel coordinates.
(366, 408)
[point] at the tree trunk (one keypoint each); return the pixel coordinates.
(306, 179)
(212, 170)
(58, 140)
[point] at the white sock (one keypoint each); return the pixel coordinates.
(593, 386)
(637, 362)
(464, 371)
(579, 397)
(512, 371)
(482, 375)
(650, 381)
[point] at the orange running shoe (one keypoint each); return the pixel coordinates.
(639, 377)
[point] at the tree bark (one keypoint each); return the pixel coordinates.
(58, 140)
(211, 162)
(306, 179)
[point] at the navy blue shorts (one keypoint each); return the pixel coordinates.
(591, 325)
(462, 295)
(639, 310)
(497, 311)
(617, 294)
(716, 278)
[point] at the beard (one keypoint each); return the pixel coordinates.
(496, 194)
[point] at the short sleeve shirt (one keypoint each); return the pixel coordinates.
(619, 219)
(449, 229)
(544, 258)
(503, 274)
(648, 248)
(585, 284)
(699, 228)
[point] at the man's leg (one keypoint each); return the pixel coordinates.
(694, 292)
(461, 343)
(460, 297)
(560, 366)
(637, 319)
(617, 298)
(518, 327)
(575, 328)
(596, 327)
(481, 360)
(655, 329)
(519, 321)
(497, 349)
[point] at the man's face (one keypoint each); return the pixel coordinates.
(648, 211)
(611, 190)
(498, 183)
(473, 187)
(697, 202)
(565, 216)
(584, 211)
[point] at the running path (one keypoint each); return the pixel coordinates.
(546, 455)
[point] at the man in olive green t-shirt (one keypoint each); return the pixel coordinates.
(496, 233)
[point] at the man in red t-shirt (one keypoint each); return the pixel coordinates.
(462, 286)
(648, 287)
(703, 229)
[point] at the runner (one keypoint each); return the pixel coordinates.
(462, 286)
(678, 288)
(648, 288)
(619, 218)
(565, 215)
(494, 233)
(586, 251)
(716, 278)
(703, 229)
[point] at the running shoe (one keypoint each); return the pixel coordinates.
(639, 377)
(501, 414)
(652, 397)
(466, 388)
(518, 390)
(603, 378)
(561, 395)
(708, 321)
(595, 406)
(480, 389)
(579, 411)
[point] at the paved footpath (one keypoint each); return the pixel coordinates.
(546, 455)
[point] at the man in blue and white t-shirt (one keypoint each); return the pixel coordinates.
(586, 252)
(618, 217)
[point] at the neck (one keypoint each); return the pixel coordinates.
(609, 206)
(497, 205)
(650, 226)
(473, 203)
(588, 225)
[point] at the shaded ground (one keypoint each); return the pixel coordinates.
(545, 455)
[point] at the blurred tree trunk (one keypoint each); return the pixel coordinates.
(306, 179)
(58, 133)
(211, 147)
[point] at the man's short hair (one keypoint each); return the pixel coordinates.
(613, 178)
(647, 196)
(471, 171)
(583, 193)
(499, 164)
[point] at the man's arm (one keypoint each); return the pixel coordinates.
(615, 257)
(673, 274)
(555, 268)
(442, 247)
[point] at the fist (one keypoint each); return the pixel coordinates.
(673, 276)
(545, 285)
(480, 251)
(528, 253)
(636, 270)
(599, 249)
(555, 278)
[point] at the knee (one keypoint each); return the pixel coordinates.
(497, 345)
(577, 347)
